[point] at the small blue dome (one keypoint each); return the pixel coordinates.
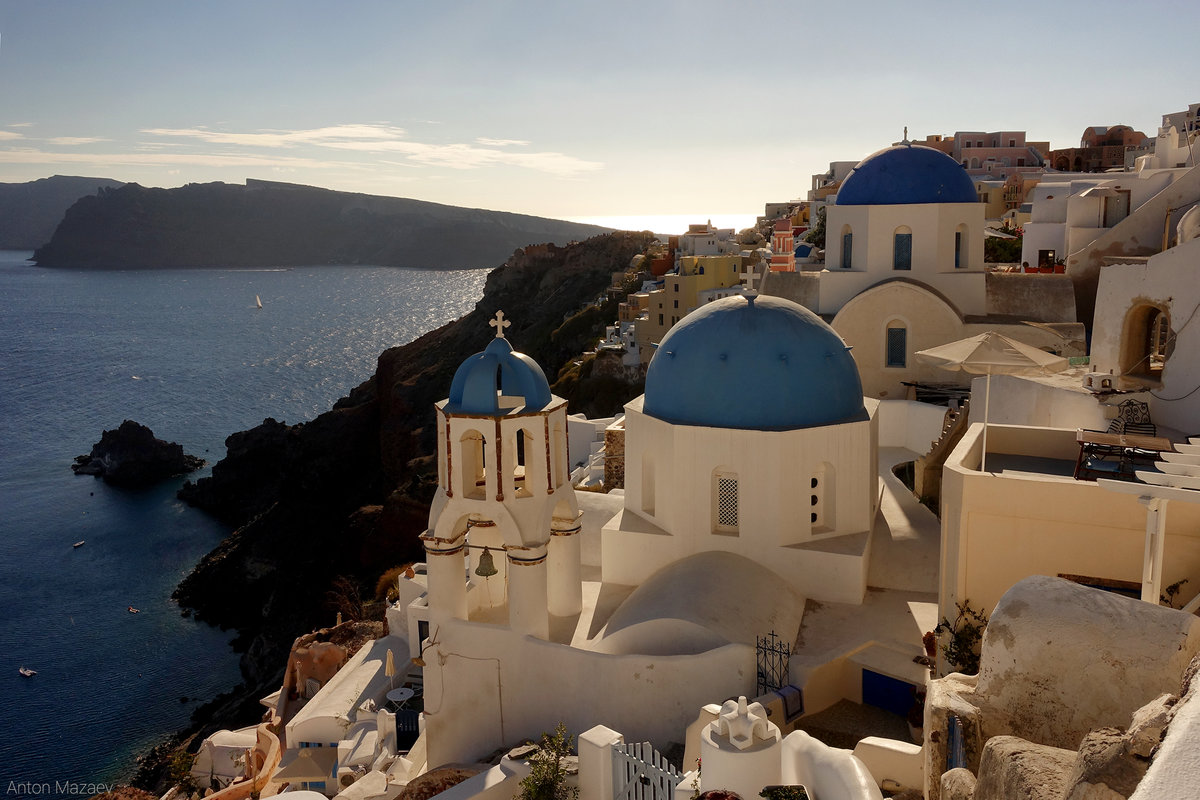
(498, 371)
(757, 364)
(906, 174)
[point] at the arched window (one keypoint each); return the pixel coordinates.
(902, 248)
(471, 449)
(559, 456)
(725, 502)
(1147, 341)
(960, 247)
(974, 163)
(524, 452)
(896, 345)
(847, 247)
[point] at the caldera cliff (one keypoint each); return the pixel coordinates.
(268, 224)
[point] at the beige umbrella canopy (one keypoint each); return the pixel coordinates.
(990, 354)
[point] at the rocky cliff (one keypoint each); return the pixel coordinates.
(29, 212)
(133, 457)
(278, 224)
(347, 494)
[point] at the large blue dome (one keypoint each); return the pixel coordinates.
(497, 381)
(761, 363)
(906, 174)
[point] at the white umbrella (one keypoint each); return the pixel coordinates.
(987, 354)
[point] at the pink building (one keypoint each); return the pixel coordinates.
(995, 155)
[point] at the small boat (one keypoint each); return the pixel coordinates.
(79, 543)
(258, 301)
(27, 672)
(133, 610)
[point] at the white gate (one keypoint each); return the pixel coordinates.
(641, 773)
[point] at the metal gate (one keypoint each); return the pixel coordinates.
(641, 773)
(773, 655)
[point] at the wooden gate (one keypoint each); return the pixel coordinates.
(641, 773)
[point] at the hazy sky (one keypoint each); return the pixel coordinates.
(564, 108)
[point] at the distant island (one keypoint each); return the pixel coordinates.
(269, 224)
(29, 212)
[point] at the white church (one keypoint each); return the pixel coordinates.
(752, 488)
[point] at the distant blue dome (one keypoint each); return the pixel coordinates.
(761, 364)
(498, 370)
(906, 174)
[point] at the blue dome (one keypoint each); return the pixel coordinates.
(906, 174)
(498, 371)
(757, 364)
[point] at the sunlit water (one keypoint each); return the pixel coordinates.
(187, 353)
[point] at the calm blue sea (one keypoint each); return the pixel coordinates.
(187, 353)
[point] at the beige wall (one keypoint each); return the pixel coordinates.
(998, 529)
(863, 324)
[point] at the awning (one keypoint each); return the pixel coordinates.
(311, 764)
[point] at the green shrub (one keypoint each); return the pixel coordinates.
(548, 769)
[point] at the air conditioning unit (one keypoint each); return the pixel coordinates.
(1099, 381)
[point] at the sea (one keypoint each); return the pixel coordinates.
(189, 354)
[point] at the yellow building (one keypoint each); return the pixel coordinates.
(682, 292)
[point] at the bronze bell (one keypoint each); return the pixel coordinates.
(487, 567)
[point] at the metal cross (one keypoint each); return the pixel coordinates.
(499, 323)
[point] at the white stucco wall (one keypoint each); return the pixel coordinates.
(486, 686)
(1017, 400)
(774, 470)
(1169, 281)
(933, 226)
(909, 424)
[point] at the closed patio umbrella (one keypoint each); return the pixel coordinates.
(990, 354)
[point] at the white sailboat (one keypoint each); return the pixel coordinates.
(258, 301)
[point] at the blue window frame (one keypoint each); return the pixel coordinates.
(847, 250)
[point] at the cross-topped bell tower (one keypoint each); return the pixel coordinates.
(503, 488)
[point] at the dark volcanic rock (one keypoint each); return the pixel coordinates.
(132, 457)
(279, 224)
(29, 212)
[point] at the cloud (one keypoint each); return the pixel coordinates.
(328, 136)
(385, 139)
(21, 125)
(500, 142)
(299, 149)
(74, 140)
(170, 159)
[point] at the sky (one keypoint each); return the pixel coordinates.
(567, 108)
